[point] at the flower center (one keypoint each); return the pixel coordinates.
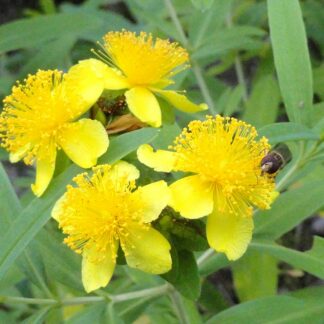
(99, 212)
(225, 153)
(34, 113)
(141, 59)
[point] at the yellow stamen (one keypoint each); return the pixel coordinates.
(99, 212)
(35, 112)
(141, 59)
(225, 153)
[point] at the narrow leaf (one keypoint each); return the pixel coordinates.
(311, 261)
(255, 275)
(291, 58)
(284, 132)
(289, 209)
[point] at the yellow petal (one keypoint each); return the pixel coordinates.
(84, 141)
(147, 249)
(143, 104)
(229, 233)
(122, 169)
(45, 166)
(18, 155)
(58, 210)
(191, 197)
(161, 161)
(96, 269)
(180, 101)
(84, 80)
(155, 197)
(113, 80)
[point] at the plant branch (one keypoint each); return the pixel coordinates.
(177, 304)
(24, 300)
(205, 256)
(238, 64)
(149, 292)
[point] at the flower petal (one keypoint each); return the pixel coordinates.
(18, 155)
(97, 271)
(85, 82)
(45, 166)
(143, 104)
(84, 141)
(191, 197)
(161, 161)
(155, 197)
(229, 233)
(180, 101)
(147, 249)
(123, 169)
(58, 210)
(113, 80)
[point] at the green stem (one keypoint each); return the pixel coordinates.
(177, 303)
(238, 64)
(205, 256)
(24, 300)
(195, 66)
(149, 292)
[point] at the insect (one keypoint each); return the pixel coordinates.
(276, 159)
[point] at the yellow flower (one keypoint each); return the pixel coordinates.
(106, 210)
(223, 158)
(39, 118)
(145, 67)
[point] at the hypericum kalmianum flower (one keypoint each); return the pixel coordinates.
(106, 210)
(39, 117)
(143, 67)
(226, 181)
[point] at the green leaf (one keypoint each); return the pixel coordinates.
(291, 58)
(61, 263)
(230, 101)
(190, 309)
(124, 144)
(52, 55)
(213, 264)
(284, 132)
(262, 105)
(26, 33)
(90, 314)
(311, 261)
(36, 214)
(201, 24)
(31, 220)
(225, 40)
(37, 318)
(48, 6)
(288, 210)
(255, 275)
(30, 263)
(186, 278)
(318, 74)
(270, 310)
(211, 299)
(202, 4)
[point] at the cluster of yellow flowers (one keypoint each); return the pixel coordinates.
(104, 210)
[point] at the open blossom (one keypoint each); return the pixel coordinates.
(223, 158)
(105, 211)
(39, 117)
(143, 67)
